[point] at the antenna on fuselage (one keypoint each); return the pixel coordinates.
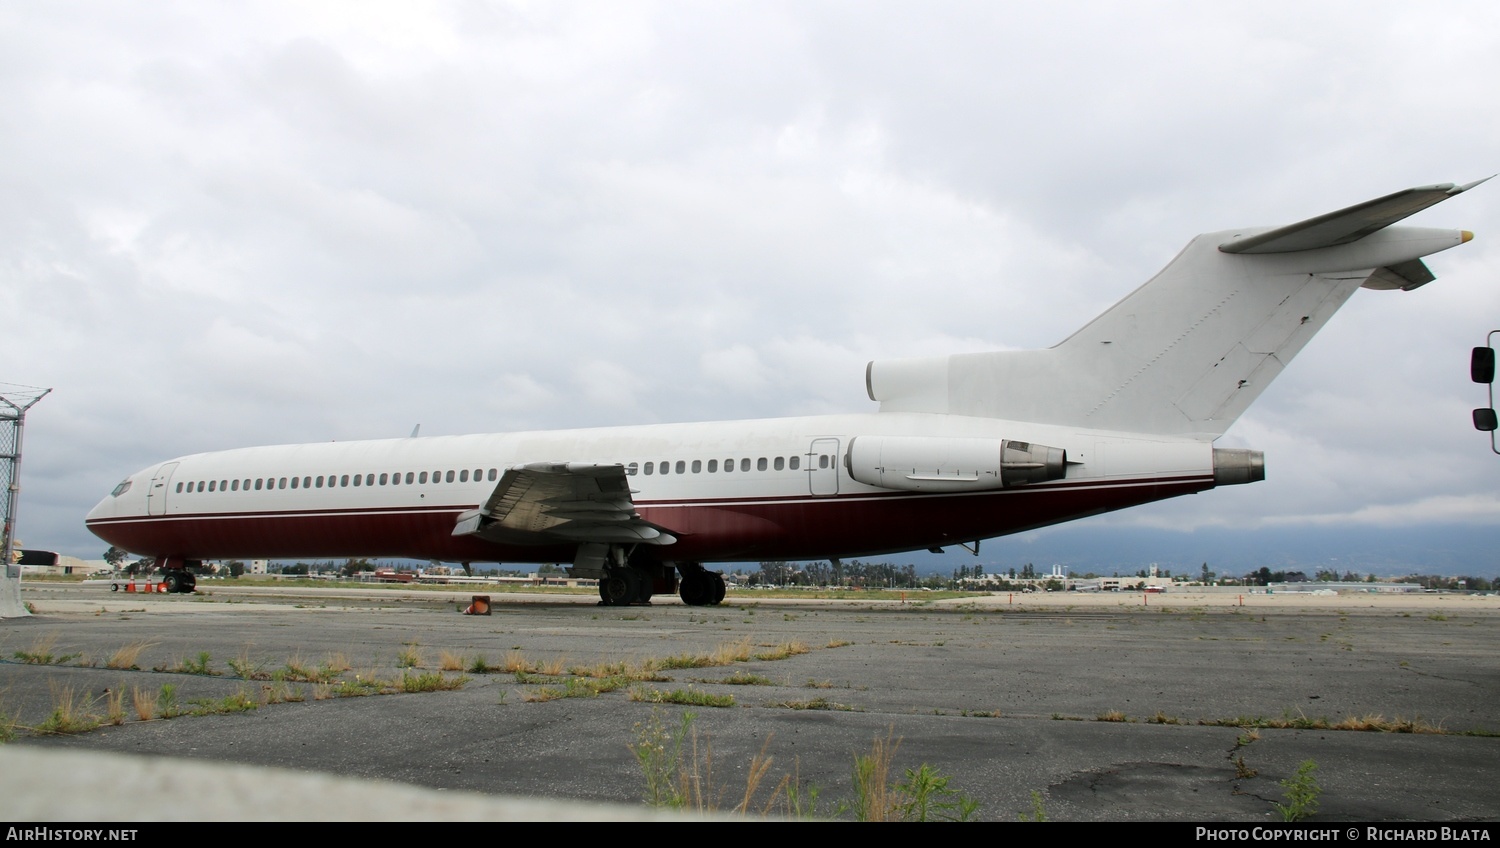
(415, 430)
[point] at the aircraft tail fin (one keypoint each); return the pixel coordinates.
(1186, 353)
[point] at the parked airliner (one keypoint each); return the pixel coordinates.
(963, 448)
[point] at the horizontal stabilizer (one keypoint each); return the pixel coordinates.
(1346, 225)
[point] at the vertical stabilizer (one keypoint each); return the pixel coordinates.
(1186, 353)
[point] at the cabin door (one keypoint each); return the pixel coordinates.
(823, 467)
(156, 496)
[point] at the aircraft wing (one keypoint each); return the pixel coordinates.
(1347, 225)
(561, 502)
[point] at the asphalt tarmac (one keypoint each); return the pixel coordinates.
(1103, 707)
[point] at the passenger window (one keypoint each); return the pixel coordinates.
(713, 466)
(745, 464)
(307, 482)
(212, 485)
(396, 479)
(822, 460)
(410, 475)
(780, 463)
(422, 478)
(450, 477)
(281, 484)
(234, 485)
(666, 466)
(649, 467)
(493, 475)
(358, 479)
(792, 462)
(383, 479)
(258, 481)
(760, 464)
(463, 476)
(200, 485)
(344, 480)
(320, 481)
(478, 473)
(369, 479)
(697, 466)
(681, 467)
(728, 465)
(294, 482)
(631, 468)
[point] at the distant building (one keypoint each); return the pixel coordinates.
(62, 564)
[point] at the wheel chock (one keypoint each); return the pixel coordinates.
(480, 605)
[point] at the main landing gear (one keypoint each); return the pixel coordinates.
(633, 577)
(178, 578)
(698, 586)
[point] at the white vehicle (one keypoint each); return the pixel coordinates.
(963, 448)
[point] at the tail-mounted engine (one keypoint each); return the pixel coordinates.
(932, 464)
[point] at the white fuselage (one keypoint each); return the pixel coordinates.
(728, 491)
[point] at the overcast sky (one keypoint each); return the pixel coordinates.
(225, 224)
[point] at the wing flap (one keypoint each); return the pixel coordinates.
(549, 502)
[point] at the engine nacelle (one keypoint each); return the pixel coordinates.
(933, 464)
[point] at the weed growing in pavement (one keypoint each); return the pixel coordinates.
(685, 697)
(1302, 791)
(127, 657)
(72, 712)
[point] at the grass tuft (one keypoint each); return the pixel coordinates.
(782, 651)
(127, 657)
(684, 697)
(40, 652)
(72, 712)
(813, 704)
(409, 657)
(431, 681)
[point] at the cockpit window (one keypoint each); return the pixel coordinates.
(121, 489)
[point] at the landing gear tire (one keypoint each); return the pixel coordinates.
(189, 583)
(696, 589)
(699, 588)
(173, 581)
(619, 587)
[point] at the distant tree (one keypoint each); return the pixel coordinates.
(353, 566)
(114, 556)
(551, 568)
(236, 568)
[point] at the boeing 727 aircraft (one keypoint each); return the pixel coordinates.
(963, 448)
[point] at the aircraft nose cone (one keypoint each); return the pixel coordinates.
(102, 509)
